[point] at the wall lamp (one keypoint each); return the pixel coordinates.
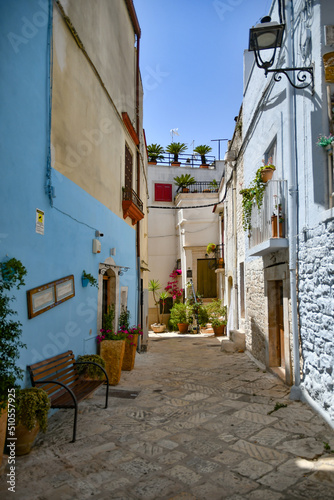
(269, 35)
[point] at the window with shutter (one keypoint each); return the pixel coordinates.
(163, 192)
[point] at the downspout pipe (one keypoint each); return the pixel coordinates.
(140, 308)
(293, 205)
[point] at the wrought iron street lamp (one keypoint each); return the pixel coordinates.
(268, 36)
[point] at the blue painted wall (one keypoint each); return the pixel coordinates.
(66, 246)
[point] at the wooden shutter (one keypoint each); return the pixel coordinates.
(163, 192)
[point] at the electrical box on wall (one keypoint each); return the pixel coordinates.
(96, 246)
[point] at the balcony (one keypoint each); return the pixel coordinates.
(187, 160)
(269, 224)
(201, 187)
(132, 206)
(216, 258)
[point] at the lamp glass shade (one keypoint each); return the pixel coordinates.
(266, 36)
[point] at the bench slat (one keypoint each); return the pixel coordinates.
(45, 370)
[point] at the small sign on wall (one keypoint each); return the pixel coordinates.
(39, 221)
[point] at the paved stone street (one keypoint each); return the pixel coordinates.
(203, 426)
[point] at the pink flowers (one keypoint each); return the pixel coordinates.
(172, 286)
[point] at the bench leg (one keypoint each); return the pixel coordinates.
(75, 422)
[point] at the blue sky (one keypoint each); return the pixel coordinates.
(191, 55)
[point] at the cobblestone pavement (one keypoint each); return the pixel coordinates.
(203, 427)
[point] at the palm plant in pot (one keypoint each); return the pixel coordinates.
(12, 274)
(175, 148)
(202, 151)
(154, 152)
(154, 287)
(183, 181)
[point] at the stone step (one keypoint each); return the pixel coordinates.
(236, 342)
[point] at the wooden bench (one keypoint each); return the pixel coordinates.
(59, 378)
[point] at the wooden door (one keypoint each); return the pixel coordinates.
(206, 278)
(276, 324)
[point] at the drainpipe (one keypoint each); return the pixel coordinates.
(140, 311)
(235, 270)
(293, 205)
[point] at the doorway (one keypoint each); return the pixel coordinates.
(276, 324)
(206, 278)
(108, 293)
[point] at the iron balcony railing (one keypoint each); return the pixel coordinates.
(130, 195)
(200, 187)
(271, 220)
(188, 160)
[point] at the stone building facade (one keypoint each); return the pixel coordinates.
(288, 253)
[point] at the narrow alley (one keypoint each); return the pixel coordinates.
(198, 424)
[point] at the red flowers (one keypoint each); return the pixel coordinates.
(172, 286)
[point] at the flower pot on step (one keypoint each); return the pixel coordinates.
(112, 351)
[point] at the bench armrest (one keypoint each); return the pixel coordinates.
(62, 385)
(93, 363)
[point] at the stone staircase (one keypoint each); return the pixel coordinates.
(236, 342)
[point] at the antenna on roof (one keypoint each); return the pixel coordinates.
(174, 131)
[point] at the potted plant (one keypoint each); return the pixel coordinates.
(217, 316)
(89, 371)
(179, 317)
(210, 248)
(183, 181)
(280, 216)
(175, 148)
(32, 407)
(112, 346)
(218, 326)
(213, 185)
(326, 142)
(267, 171)
(88, 279)
(154, 152)
(154, 286)
(202, 151)
(12, 274)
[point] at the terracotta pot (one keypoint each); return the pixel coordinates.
(152, 162)
(175, 163)
(266, 174)
(24, 439)
(112, 351)
(183, 327)
(158, 328)
(185, 190)
(221, 263)
(130, 354)
(3, 429)
(274, 227)
(204, 166)
(219, 330)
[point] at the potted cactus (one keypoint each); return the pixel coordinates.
(175, 148)
(202, 151)
(154, 152)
